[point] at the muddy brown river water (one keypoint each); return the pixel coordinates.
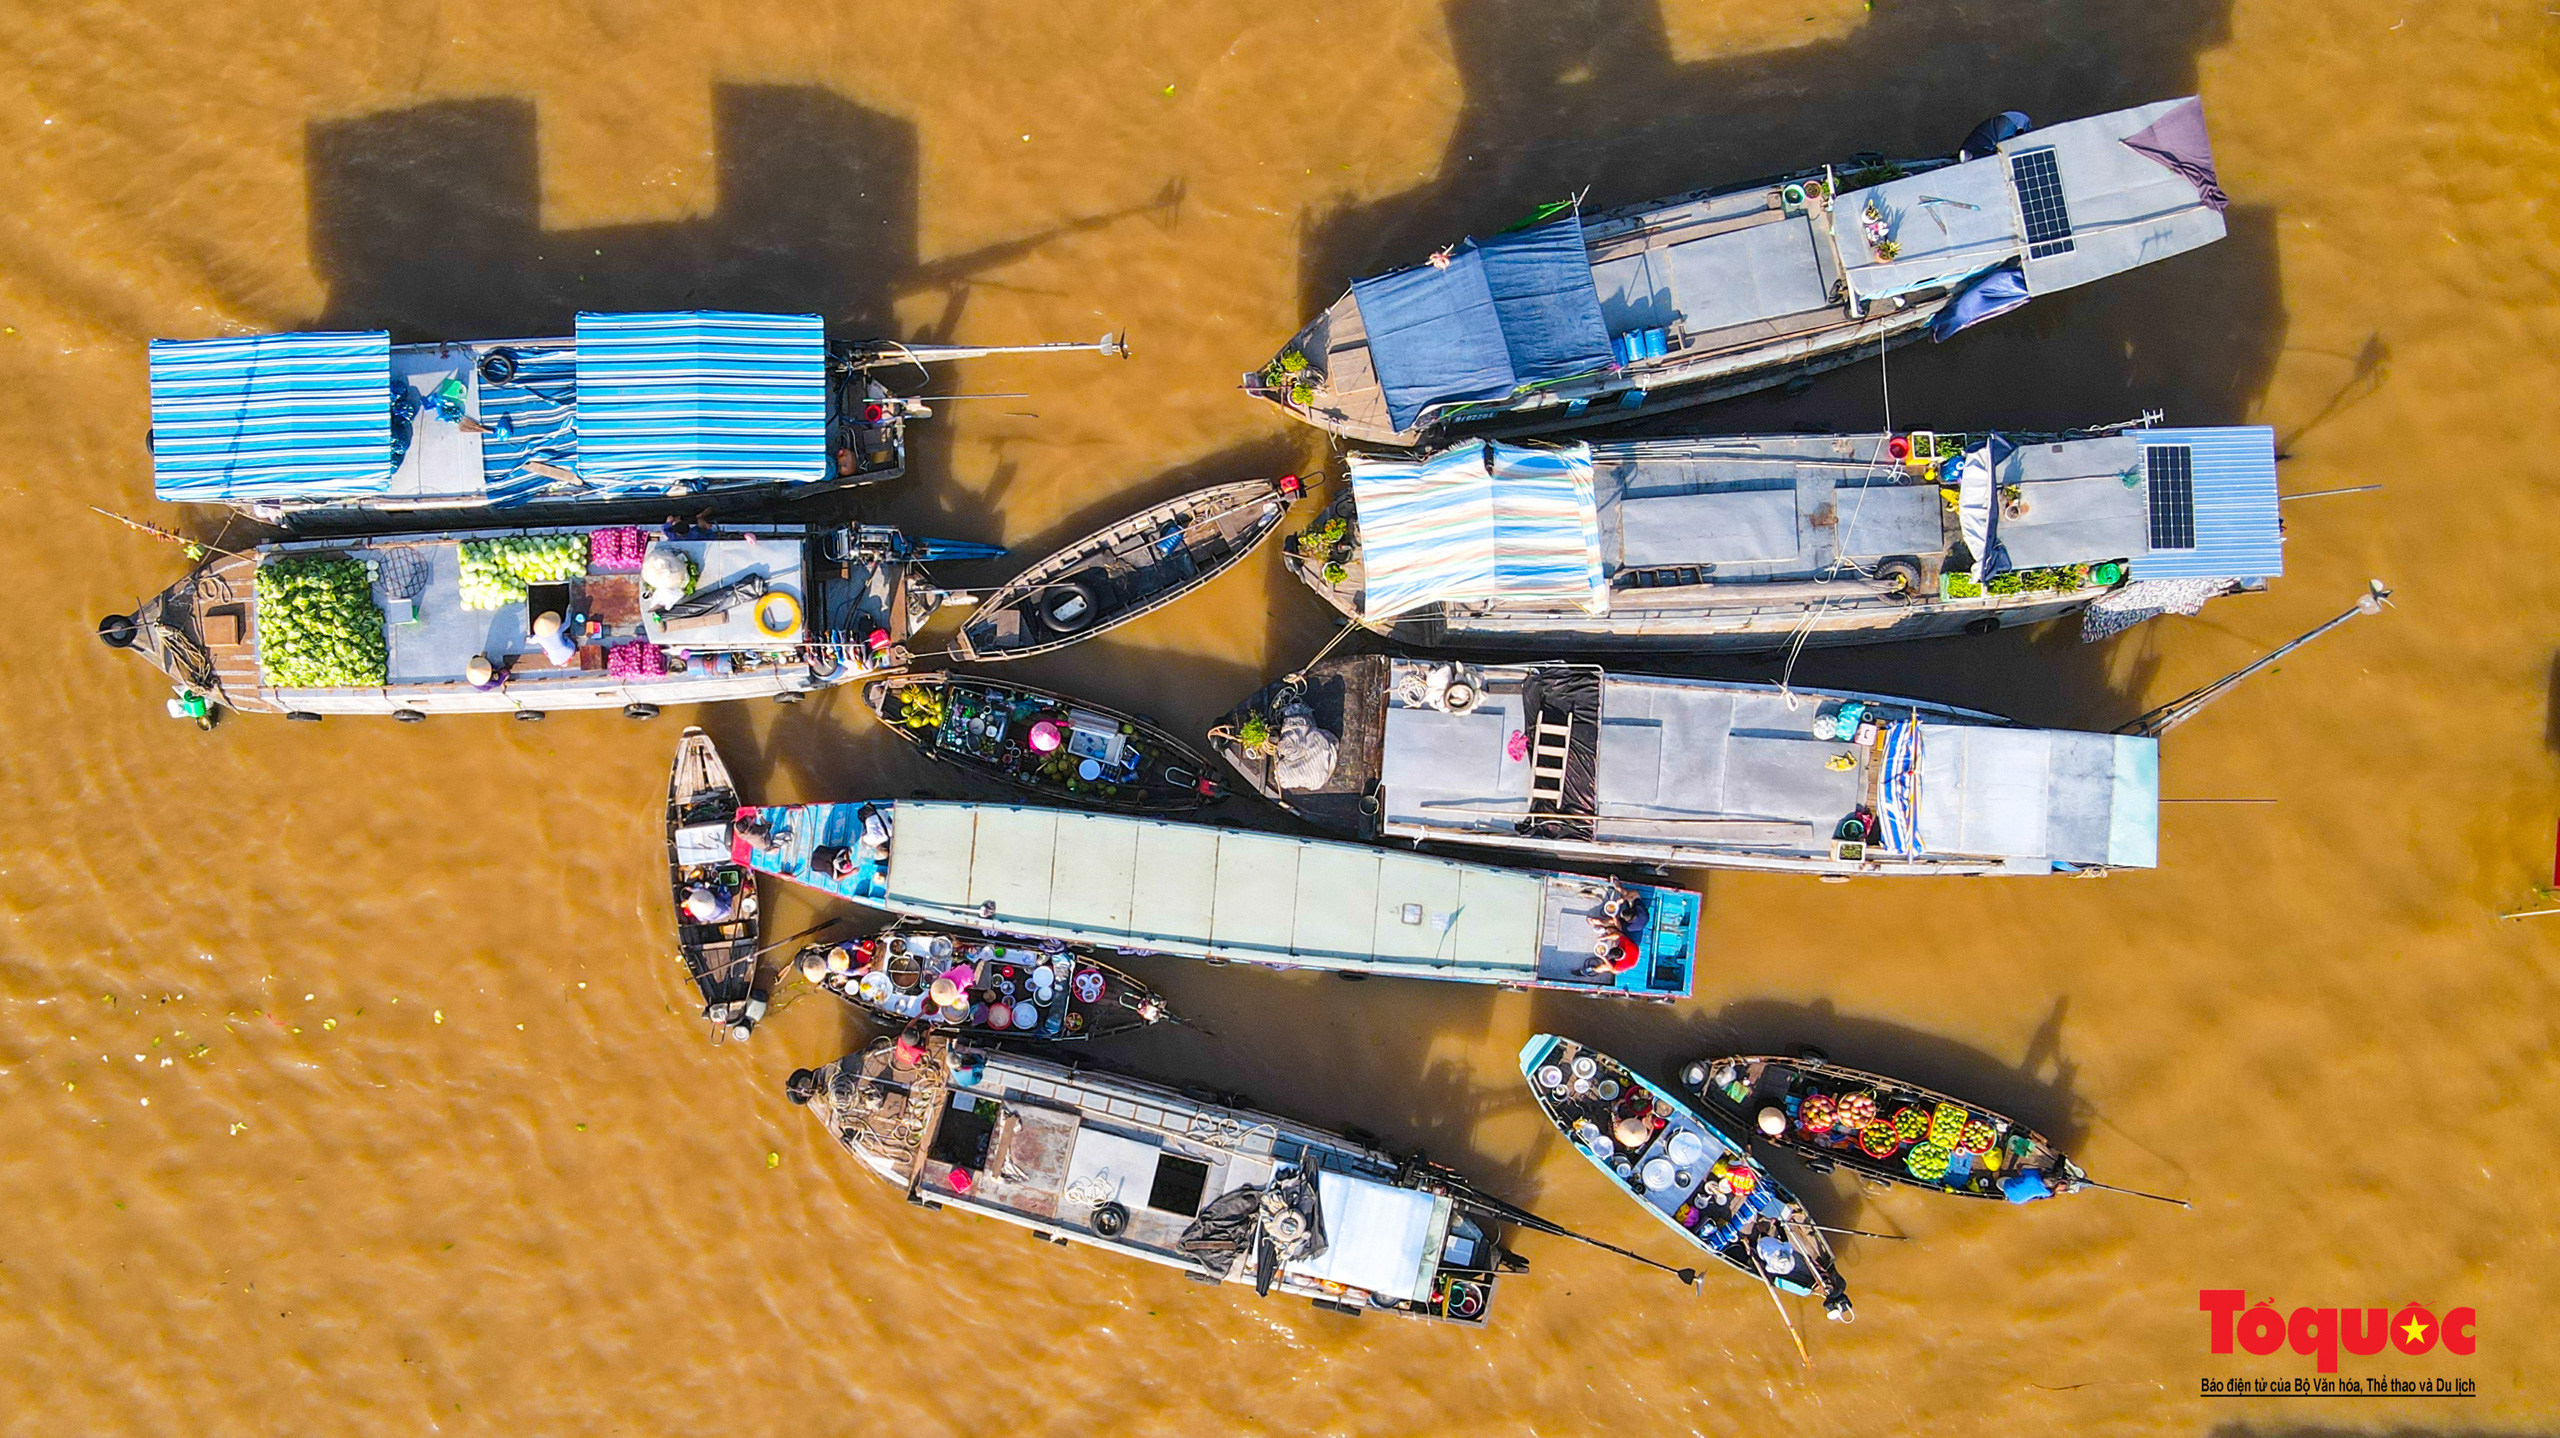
(348, 1081)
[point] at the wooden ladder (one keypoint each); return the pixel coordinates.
(1549, 750)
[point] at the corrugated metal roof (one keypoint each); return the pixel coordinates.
(701, 396)
(2238, 534)
(271, 416)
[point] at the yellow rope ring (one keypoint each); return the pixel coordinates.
(785, 607)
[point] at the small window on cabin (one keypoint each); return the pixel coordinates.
(2171, 471)
(2038, 178)
(1179, 1183)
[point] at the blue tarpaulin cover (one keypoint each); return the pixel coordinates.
(1995, 293)
(701, 397)
(1511, 310)
(271, 416)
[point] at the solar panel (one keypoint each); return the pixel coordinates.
(2039, 182)
(2173, 495)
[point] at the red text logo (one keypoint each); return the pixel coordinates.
(2321, 1332)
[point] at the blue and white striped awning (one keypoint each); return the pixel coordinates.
(2237, 533)
(1478, 521)
(271, 417)
(701, 397)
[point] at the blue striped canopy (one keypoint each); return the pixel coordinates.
(701, 397)
(1478, 521)
(271, 417)
(2238, 533)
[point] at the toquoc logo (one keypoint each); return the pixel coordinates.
(2323, 1331)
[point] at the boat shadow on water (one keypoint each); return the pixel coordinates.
(1560, 96)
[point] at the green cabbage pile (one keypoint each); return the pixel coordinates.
(318, 627)
(495, 572)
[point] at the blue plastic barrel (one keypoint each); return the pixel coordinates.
(1657, 343)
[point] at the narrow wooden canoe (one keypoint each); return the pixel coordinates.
(891, 975)
(1099, 757)
(702, 802)
(1882, 1128)
(1134, 567)
(1692, 1176)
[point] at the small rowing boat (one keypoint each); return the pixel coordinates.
(1129, 569)
(1683, 1169)
(969, 984)
(717, 923)
(1882, 1128)
(1060, 748)
(1181, 1178)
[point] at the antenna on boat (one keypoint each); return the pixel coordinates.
(2376, 598)
(890, 352)
(2135, 1193)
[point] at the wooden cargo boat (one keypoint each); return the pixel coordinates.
(1129, 569)
(1717, 292)
(1232, 895)
(1211, 1188)
(1684, 1170)
(1048, 992)
(1059, 748)
(717, 917)
(446, 623)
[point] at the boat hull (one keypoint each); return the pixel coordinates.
(1151, 772)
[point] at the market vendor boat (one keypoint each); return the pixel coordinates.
(633, 414)
(1171, 1177)
(1770, 541)
(1044, 993)
(717, 919)
(1231, 895)
(446, 623)
(1881, 1128)
(1583, 319)
(1576, 764)
(1060, 748)
(1126, 570)
(1687, 1172)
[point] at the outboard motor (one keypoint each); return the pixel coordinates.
(1986, 137)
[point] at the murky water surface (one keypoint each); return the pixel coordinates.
(348, 1079)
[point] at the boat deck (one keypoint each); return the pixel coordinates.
(1126, 570)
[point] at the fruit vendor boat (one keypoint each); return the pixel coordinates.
(1576, 764)
(1683, 1169)
(1230, 895)
(1046, 992)
(1771, 541)
(719, 949)
(1582, 319)
(1056, 747)
(1881, 1128)
(1181, 1178)
(1127, 570)
(445, 623)
(632, 414)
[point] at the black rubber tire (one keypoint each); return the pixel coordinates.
(1903, 569)
(302, 716)
(1808, 1054)
(529, 716)
(1110, 1219)
(639, 711)
(1081, 604)
(118, 631)
(789, 696)
(498, 366)
(409, 716)
(1987, 624)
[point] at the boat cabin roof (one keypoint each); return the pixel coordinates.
(631, 405)
(1740, 766)
(1230, 894)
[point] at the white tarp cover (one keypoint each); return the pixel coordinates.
(1377, 1236)
(1478, 521)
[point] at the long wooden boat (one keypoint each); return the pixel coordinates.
(1759, 541)
(1581, 319)
(398, 625)
(1172, 1177)
(632, 415)
(1575, 764)
(1060, 748)
(1046, 993)
(1232, 895)
(1126, 570)
(1881, 1128)
(1683, 1169)
(720, 953)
